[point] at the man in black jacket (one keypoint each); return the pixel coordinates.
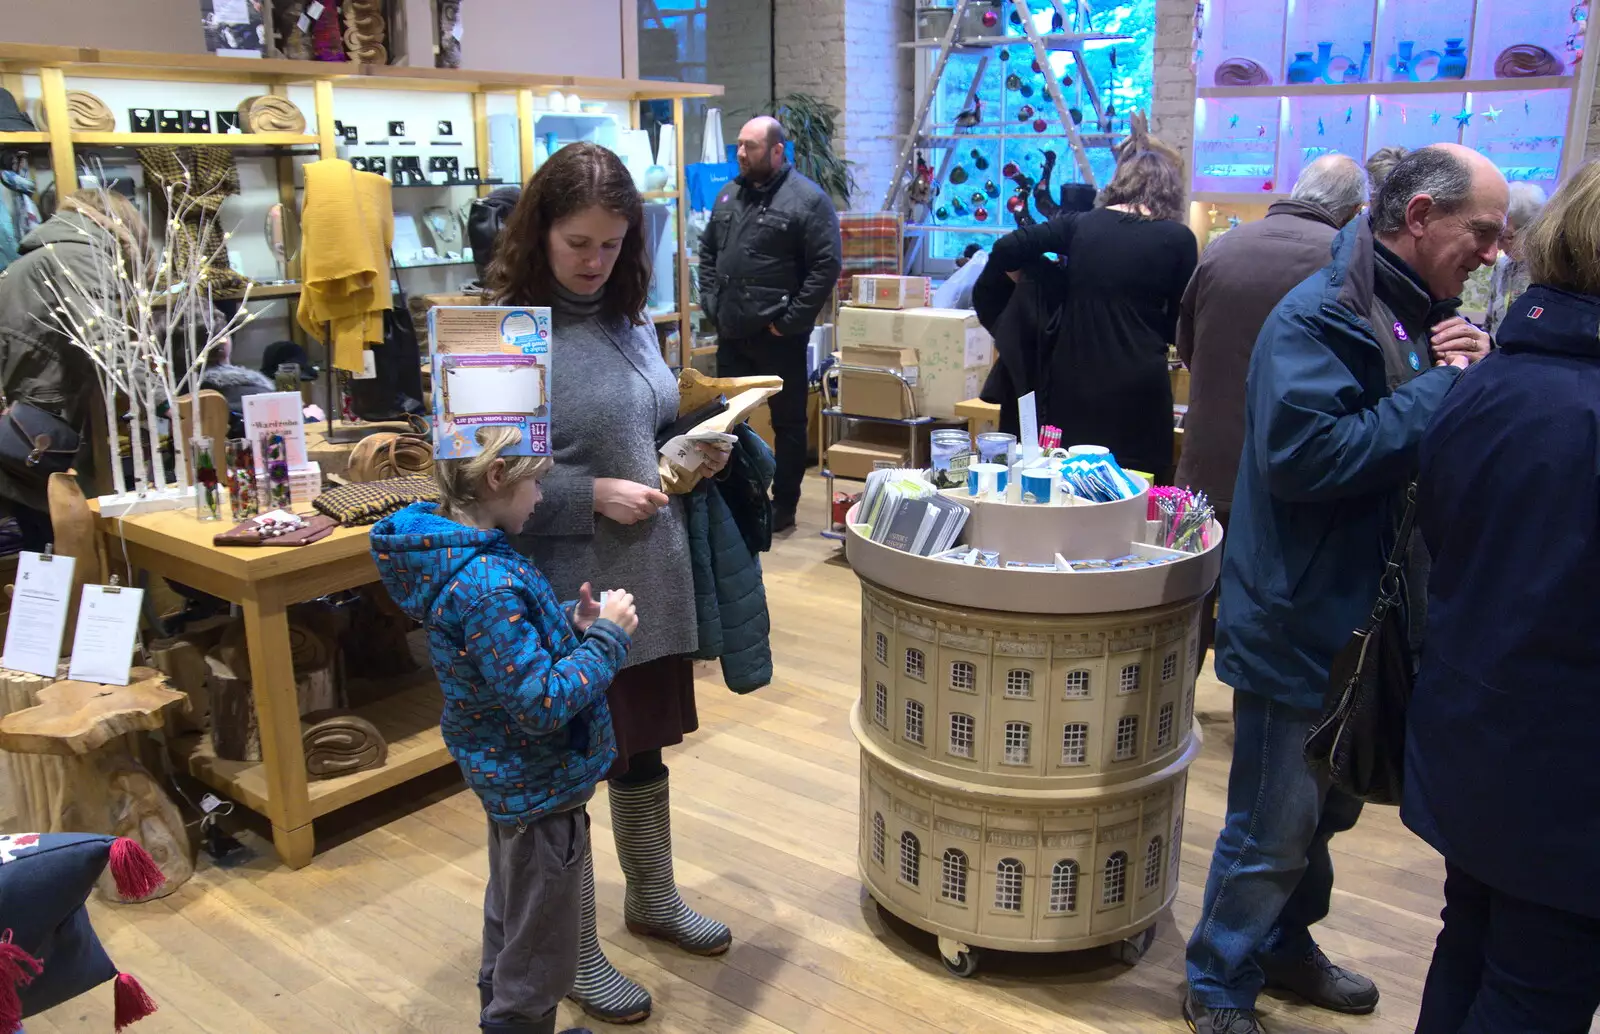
(768, 262)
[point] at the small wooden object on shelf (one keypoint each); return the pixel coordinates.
(100, 787)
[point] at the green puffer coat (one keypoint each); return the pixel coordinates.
(39, 364)
(730, 525)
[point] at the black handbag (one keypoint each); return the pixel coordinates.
(35, 443)
(1360, 741)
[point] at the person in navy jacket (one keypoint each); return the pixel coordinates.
(1343, 380)
(1501, 775)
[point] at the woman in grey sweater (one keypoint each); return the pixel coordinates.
(575, 243)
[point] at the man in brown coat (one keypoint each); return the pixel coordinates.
(1241, 277)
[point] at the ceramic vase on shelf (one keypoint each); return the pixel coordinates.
(1453, 65)
(242, 479)
(1303, 69)
(207, 495)
(1400, 69)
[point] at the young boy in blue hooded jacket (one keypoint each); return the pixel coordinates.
(525, 715)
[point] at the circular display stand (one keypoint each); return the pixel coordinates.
(1026, 734)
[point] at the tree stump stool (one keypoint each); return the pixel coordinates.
(235, 733)
(99, 786)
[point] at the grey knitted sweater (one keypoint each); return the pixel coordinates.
(610, 394)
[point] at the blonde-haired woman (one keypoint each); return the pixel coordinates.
(1500, 776)
(1098, 364)
(40, 367)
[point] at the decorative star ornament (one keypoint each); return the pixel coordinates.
(1261, 131)
(1434, 118)
(1492, 113)
(1463, 118)
(1233, 121)
(1348, 114)
(1321, 129)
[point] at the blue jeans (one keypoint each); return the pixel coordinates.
(1271, 875)
(1506, 964)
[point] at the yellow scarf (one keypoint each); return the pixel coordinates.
(347, 225)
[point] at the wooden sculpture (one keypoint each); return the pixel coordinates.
(100, 787)
(77, 537)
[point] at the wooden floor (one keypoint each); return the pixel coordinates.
(380, 935)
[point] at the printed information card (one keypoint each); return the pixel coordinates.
(491, 367)
(38, 613)
(108, 623)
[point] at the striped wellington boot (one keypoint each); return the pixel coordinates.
(601, 989)
(641, 820)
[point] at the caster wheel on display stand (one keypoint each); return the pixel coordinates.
(1130, 951)
(959, 959)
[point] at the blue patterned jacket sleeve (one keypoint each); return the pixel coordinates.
(540, 691)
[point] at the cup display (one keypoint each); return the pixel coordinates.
(1038, 487)
(987, 479)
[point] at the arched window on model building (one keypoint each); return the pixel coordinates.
(877, 837)
(953, 883)
(1127, 747)
(1075, 744)
(1169, 667)
(1152, 864)
(910, 858)
(1164, 726)
(1077, 685)
(1064, 887)
(1114, 891)
(1019, 684)
(880, 704)
(1018, 749)
(1008, 885)
(961, 735)
(1129, 682)
(914, 713)
(881, 648)
(916, 665)
(964, 677)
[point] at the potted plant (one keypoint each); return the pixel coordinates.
(810, 122)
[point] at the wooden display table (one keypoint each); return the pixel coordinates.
(264, 581)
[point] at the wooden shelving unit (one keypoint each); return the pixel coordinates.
(52, 66)
(408, 720)
(193, 139)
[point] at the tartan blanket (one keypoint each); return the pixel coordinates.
(871, 245)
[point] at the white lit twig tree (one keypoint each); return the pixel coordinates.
(145, 318)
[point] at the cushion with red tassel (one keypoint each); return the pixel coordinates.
(49, 952)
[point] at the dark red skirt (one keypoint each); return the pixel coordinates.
(652, 706)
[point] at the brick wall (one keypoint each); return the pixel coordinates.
(739, 58)
(849, 55)
(1172, 107)
(878, 93)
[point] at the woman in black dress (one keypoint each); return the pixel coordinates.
(1096, 352)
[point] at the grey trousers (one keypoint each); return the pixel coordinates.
(530, 916)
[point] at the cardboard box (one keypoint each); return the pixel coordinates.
(954, 353)
(857, 457)
(870, 381)
(891, 292)
(876, 393)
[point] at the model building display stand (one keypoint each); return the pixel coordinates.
(1026, 734)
